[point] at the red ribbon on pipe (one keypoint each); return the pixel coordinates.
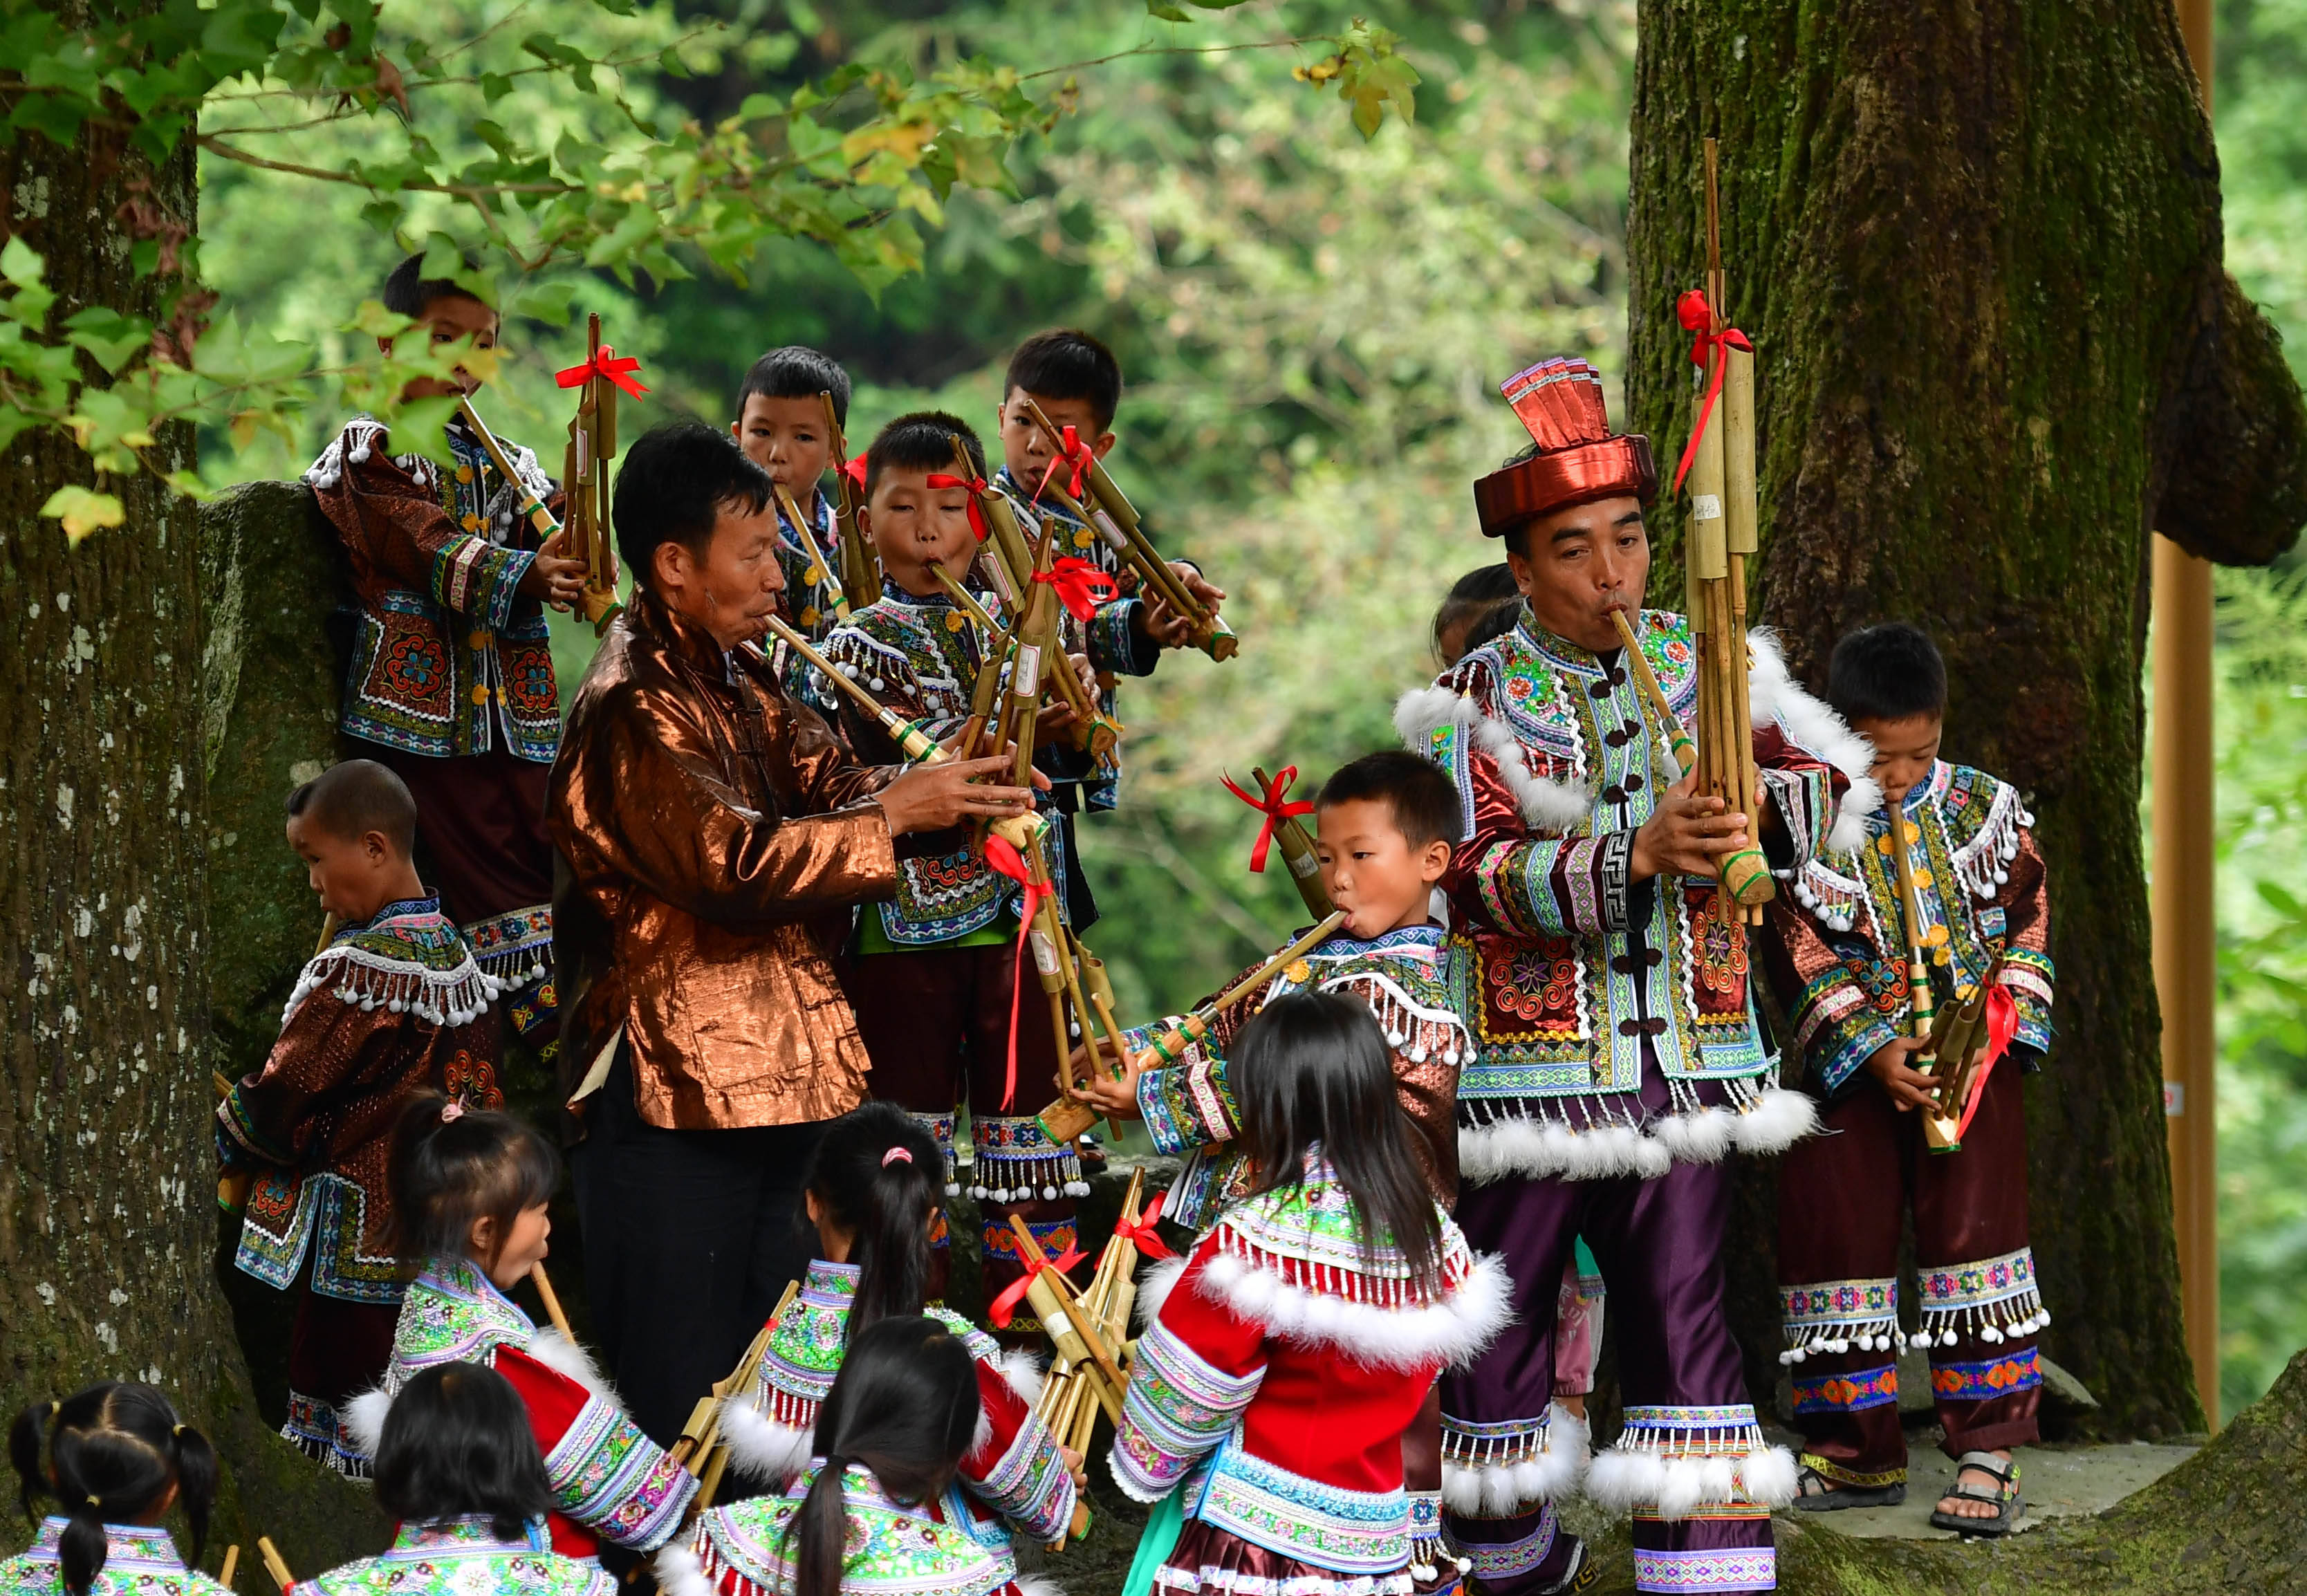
(2001, 1025)
(1142, 1234)
(1072, 452)
(855, 471)
(1004, 1308)
(617, 368)
(1272, 807)
(1007, 860)
(1077, 581)
(976, 485)
(1695, 314)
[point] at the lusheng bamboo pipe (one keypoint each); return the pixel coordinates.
(860, 572)
(807, 536)
(1686, 751)
(230, 1566)
(1298, 853)
(551, 1299)
(1938, 1129)
(275, 1564)
(1092, 1341)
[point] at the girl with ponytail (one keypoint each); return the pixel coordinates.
(469, 1192)
(875, 1192)
(119, 1462)
(882, 1506)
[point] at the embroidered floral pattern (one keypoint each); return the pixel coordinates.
(462, 1558)
(1349, 1532)
(891, 1550)
(137, 1561)
(1982, 1381)
(1847, 1393)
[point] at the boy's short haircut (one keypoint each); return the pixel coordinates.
(921, 440)
(1423, 800)
(670, 487)
(1068, 364)
(409, 292)
(1890, 671)
(797, 372)
(347, 800)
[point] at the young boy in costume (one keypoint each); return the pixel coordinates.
(1838, 961)
(451, 683)
(395, 1005)
(1616, 1055)
(781, 428)
(935, 981)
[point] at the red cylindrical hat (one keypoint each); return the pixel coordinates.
(1615, 467)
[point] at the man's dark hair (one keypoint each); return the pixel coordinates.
(1068, 364)
(409, 292)
(348, 801)
(674, 480)
(1889, 672)
(922, 442)
(456, 1444)
(1421, 799)
(797, 372)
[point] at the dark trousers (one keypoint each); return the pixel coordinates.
(690, 1237)
(1660, 1246)
(1841, 1197)
(337, 1349)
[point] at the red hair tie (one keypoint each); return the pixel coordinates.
(896, 1156)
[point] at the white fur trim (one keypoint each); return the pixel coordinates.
(1553, 805)
(1154, 1289)
(1772, 695)
(681, 1572)
(1025, 1375)
(564, 1356)
(1516, 1148)
(982, 1432)
(759, 1448)
(1422, 711)
(1849, 832)
(1700, 1136)
(1498, 1491)
(1453, 1330)
(1622, 1479)
(364, 1416)
(1778, 1120)
(1039, 1584)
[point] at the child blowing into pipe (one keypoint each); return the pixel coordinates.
(783, 427)
(936, 982)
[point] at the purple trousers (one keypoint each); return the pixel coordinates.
(1690, 1429)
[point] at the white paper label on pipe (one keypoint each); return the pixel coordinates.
(1707, 507)
(1114, 539)
(1045, 954)
(1305, 864)
(1026, 680)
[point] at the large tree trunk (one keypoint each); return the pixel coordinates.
(1977, 246)
(106, 1177)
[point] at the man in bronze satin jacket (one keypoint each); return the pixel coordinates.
(713, 837)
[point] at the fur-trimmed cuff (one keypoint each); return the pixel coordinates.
(363, 1419)
(1622, 1479)
(1450, 1332)
(679, 1573)
(759, 1448)
(1154, 1288)
(1023, 1372)
(1486, 1480)
(1813, 727)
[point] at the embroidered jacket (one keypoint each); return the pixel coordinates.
(386, 1010)
(1013, 1470)
(1838, 962)
(437, 558)
(1283, 1363)
(1414, 981)
(138, 1560)
(462, 1557)
(919, 656)
(810, 558)
(889, 1547)
(1586, 983)
(609, 1481)
(1114, 637)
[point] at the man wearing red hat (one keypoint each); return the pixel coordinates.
(1618, 1059)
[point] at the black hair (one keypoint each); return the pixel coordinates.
(1066, 364)
(1889, 672)
(1493, 623)
(877, 1172)
(1423, 800)
(409, 292)
(354, 797)
(905, 1404)
(675, 478)
(475, 1163)
(1471, 595)
(116, 1448)
(797, 372)
(922, 442)
(456, 1444)
(1314, 1067)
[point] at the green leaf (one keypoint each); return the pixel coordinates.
(418, 427)
(547, 303)
(383, 215)
(83, 512)
(1166, 11)
(495, 86)
(757, 105)
(20, 263)
(111, 337)
(54, 116)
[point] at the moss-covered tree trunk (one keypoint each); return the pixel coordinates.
(107, 1214)
(1978, 246)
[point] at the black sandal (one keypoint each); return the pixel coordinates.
(1814, 1494)
(2008, 1502)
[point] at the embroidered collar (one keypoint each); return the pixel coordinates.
(453, 1313)
(1009, 484)
(894, 594)
(821, 529)
(408, 958)
(1424, 939)
(1313, 1225)
(471, 1535)
(1929, 791)
(892, 1547)
(128, 1549)
(1559, 652)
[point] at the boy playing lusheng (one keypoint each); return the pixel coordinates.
(781, 428)
(1838, 961)
(1387, 824)
(936, 982)
(451, 683)
(394, 1005)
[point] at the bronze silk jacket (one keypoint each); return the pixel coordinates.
(711, 831)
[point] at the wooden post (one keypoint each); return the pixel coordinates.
(2185, 923)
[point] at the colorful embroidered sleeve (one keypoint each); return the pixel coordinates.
(394, 524)
(1197, 1368)
(2024, 901)
(1803, 791)
(1119, 642)
(892, 679)
(1843, 998)
(1558, 886)
(606, 1474)
(1188, 1103)
(1017, 1470)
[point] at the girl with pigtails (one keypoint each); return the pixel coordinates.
(119, 1462)
(875, 1192)
(881, 1509)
